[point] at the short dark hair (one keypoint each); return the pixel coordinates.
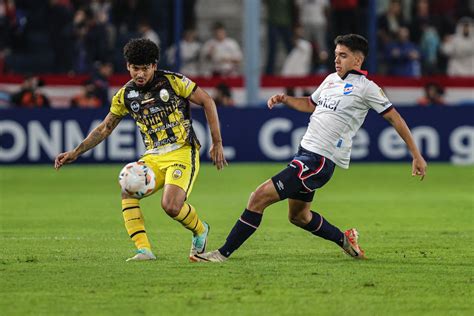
(354, 42)
(218, 25)
(141, 51)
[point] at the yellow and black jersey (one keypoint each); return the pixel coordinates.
(161, 110)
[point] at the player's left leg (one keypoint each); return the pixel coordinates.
(246, 225)
(173, 202)
(300, 214)
(182, 168)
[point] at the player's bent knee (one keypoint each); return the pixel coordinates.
(172, 208)
(259, 200)
(296, 220)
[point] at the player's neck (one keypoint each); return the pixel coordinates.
(356, 71)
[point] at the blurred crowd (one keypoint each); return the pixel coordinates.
(414, 38)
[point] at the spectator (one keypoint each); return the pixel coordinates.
(91, 40)
(8, 26)
(87, 98)
(403, 55)
(30, 95)
(145, 30)
(102, 12)
(460, 49)
(281, 17)
(222, 54)
(420, 19)
(298, 62)
(344, 16)
(189, 49)
(389, 23)
(223, 95)
(433, 95)
(429, 47)
(314, 15)
(128, 13)
(100, 79)
(61, 35)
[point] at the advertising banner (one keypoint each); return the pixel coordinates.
(37, 136)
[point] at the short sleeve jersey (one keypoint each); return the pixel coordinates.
(161, 110)
(341, 107)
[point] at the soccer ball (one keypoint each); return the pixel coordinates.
(137, 180)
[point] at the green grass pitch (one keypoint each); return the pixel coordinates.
(63, 246)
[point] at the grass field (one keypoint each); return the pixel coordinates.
(63, 246)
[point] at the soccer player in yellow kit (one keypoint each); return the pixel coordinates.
(158, 101)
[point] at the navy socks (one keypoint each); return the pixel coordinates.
(320, 227)
(242, 230)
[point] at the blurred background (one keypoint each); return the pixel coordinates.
(61, 62)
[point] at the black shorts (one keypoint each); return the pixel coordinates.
(307, 172)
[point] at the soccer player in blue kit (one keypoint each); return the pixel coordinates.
(339, 107)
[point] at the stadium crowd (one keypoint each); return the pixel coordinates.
(77, 37)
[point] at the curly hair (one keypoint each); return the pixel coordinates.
(141, 51)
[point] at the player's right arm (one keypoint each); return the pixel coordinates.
(302, 104)
(98, 134)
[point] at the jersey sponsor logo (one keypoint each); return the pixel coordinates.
(165, 141)
(328, 103)
(164, 95)
(329, 85)
(382, 93)
(348, 88)
(179, 165)
(162, 127)
(155, 109)
(135, 106)
(148, 101)
(132, 94)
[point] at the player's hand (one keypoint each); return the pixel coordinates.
(64, 158)
(217, 155)
(276, 99)
(419, 167)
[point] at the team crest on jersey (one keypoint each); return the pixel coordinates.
(164, 95)
(177, 174)
(348, 88)
(147, 95)
(135, 106)
(132, 94)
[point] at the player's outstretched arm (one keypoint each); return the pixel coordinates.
(101, 132)
(299, 104)
(419, 164)
(216, 152)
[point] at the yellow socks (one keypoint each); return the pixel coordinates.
(134, 223)
(188, 218)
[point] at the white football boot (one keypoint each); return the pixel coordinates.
(142, 255)
(212, 256)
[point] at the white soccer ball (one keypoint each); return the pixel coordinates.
(137, 180)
